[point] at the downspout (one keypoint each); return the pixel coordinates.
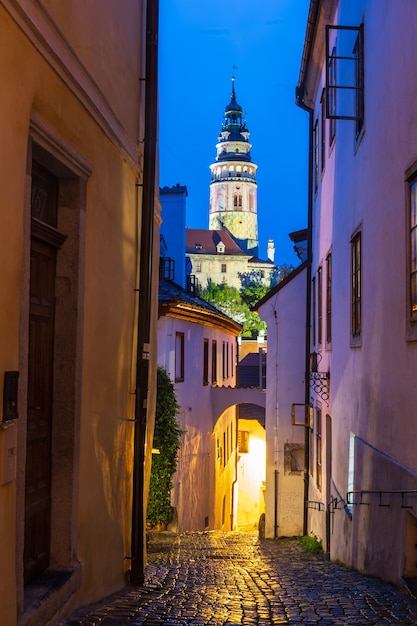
(308, 320)
(313, 16)
(145, 293)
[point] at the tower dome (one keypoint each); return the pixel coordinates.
(233, 188)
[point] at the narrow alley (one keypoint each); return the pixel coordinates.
(227, 578)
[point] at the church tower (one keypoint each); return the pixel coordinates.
(233, 188)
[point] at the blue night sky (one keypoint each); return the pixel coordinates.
(200, 43)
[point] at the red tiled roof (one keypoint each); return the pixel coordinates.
(201, 241)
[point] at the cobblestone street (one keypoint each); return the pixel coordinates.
(219, 579)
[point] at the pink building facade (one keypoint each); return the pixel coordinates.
(357, 84)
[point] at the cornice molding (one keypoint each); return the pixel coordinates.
(190, 313)
(45, 35)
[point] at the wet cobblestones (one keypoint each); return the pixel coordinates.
(225, 579)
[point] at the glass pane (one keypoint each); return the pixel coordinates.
(413, 205)
(413, 293)
(413, 250)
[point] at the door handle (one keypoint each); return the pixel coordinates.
(34, 408)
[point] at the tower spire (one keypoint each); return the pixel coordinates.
(233, 189)
(233, 96)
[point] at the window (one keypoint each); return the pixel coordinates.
(223, 268)
(179, 357)
(198, 267)
(357, 50)
(205, 362)
(224, 360)
(316, 155)
(318, 448)
(323, 130)
(167, 268)
(332, 109)
(319, 305)
(329, 298)
(412, 224)
(313, 310)
(345, 74)
(243, 441)
(214, 363)
(311, 450)
(356, 286)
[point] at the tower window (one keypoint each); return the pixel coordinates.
(237, 200)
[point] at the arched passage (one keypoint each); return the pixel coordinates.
(239, 467)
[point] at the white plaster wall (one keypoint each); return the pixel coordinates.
(193, 492)
(284, 314)
(373, 391)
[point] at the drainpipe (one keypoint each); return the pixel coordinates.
(308, 323)
(312, 23)
(145, 293)
(310, 111)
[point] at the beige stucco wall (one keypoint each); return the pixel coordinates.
(211, 265)
(84, 93)
(225, 446)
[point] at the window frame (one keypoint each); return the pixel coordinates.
(313, 311)
(205, 362)
(243, 441)
(316, 155)
(320, 305)
(333, 107)
(411, 221)
(357, 87)
(323, 130)
(356, 288)
(179, 357)
(319, 447)
(214, 362)
(329, 298)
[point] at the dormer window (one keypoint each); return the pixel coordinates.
(220, 247)
(198, 246)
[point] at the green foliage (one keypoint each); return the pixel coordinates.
(236, 304)
(167, 439)
(311, 543)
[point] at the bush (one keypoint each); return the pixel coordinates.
(311, 543)
(167, 439)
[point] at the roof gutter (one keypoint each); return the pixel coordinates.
(312, 21)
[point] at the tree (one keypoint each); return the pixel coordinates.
(167, 440)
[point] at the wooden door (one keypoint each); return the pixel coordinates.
(45, 241)
(39, 419)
